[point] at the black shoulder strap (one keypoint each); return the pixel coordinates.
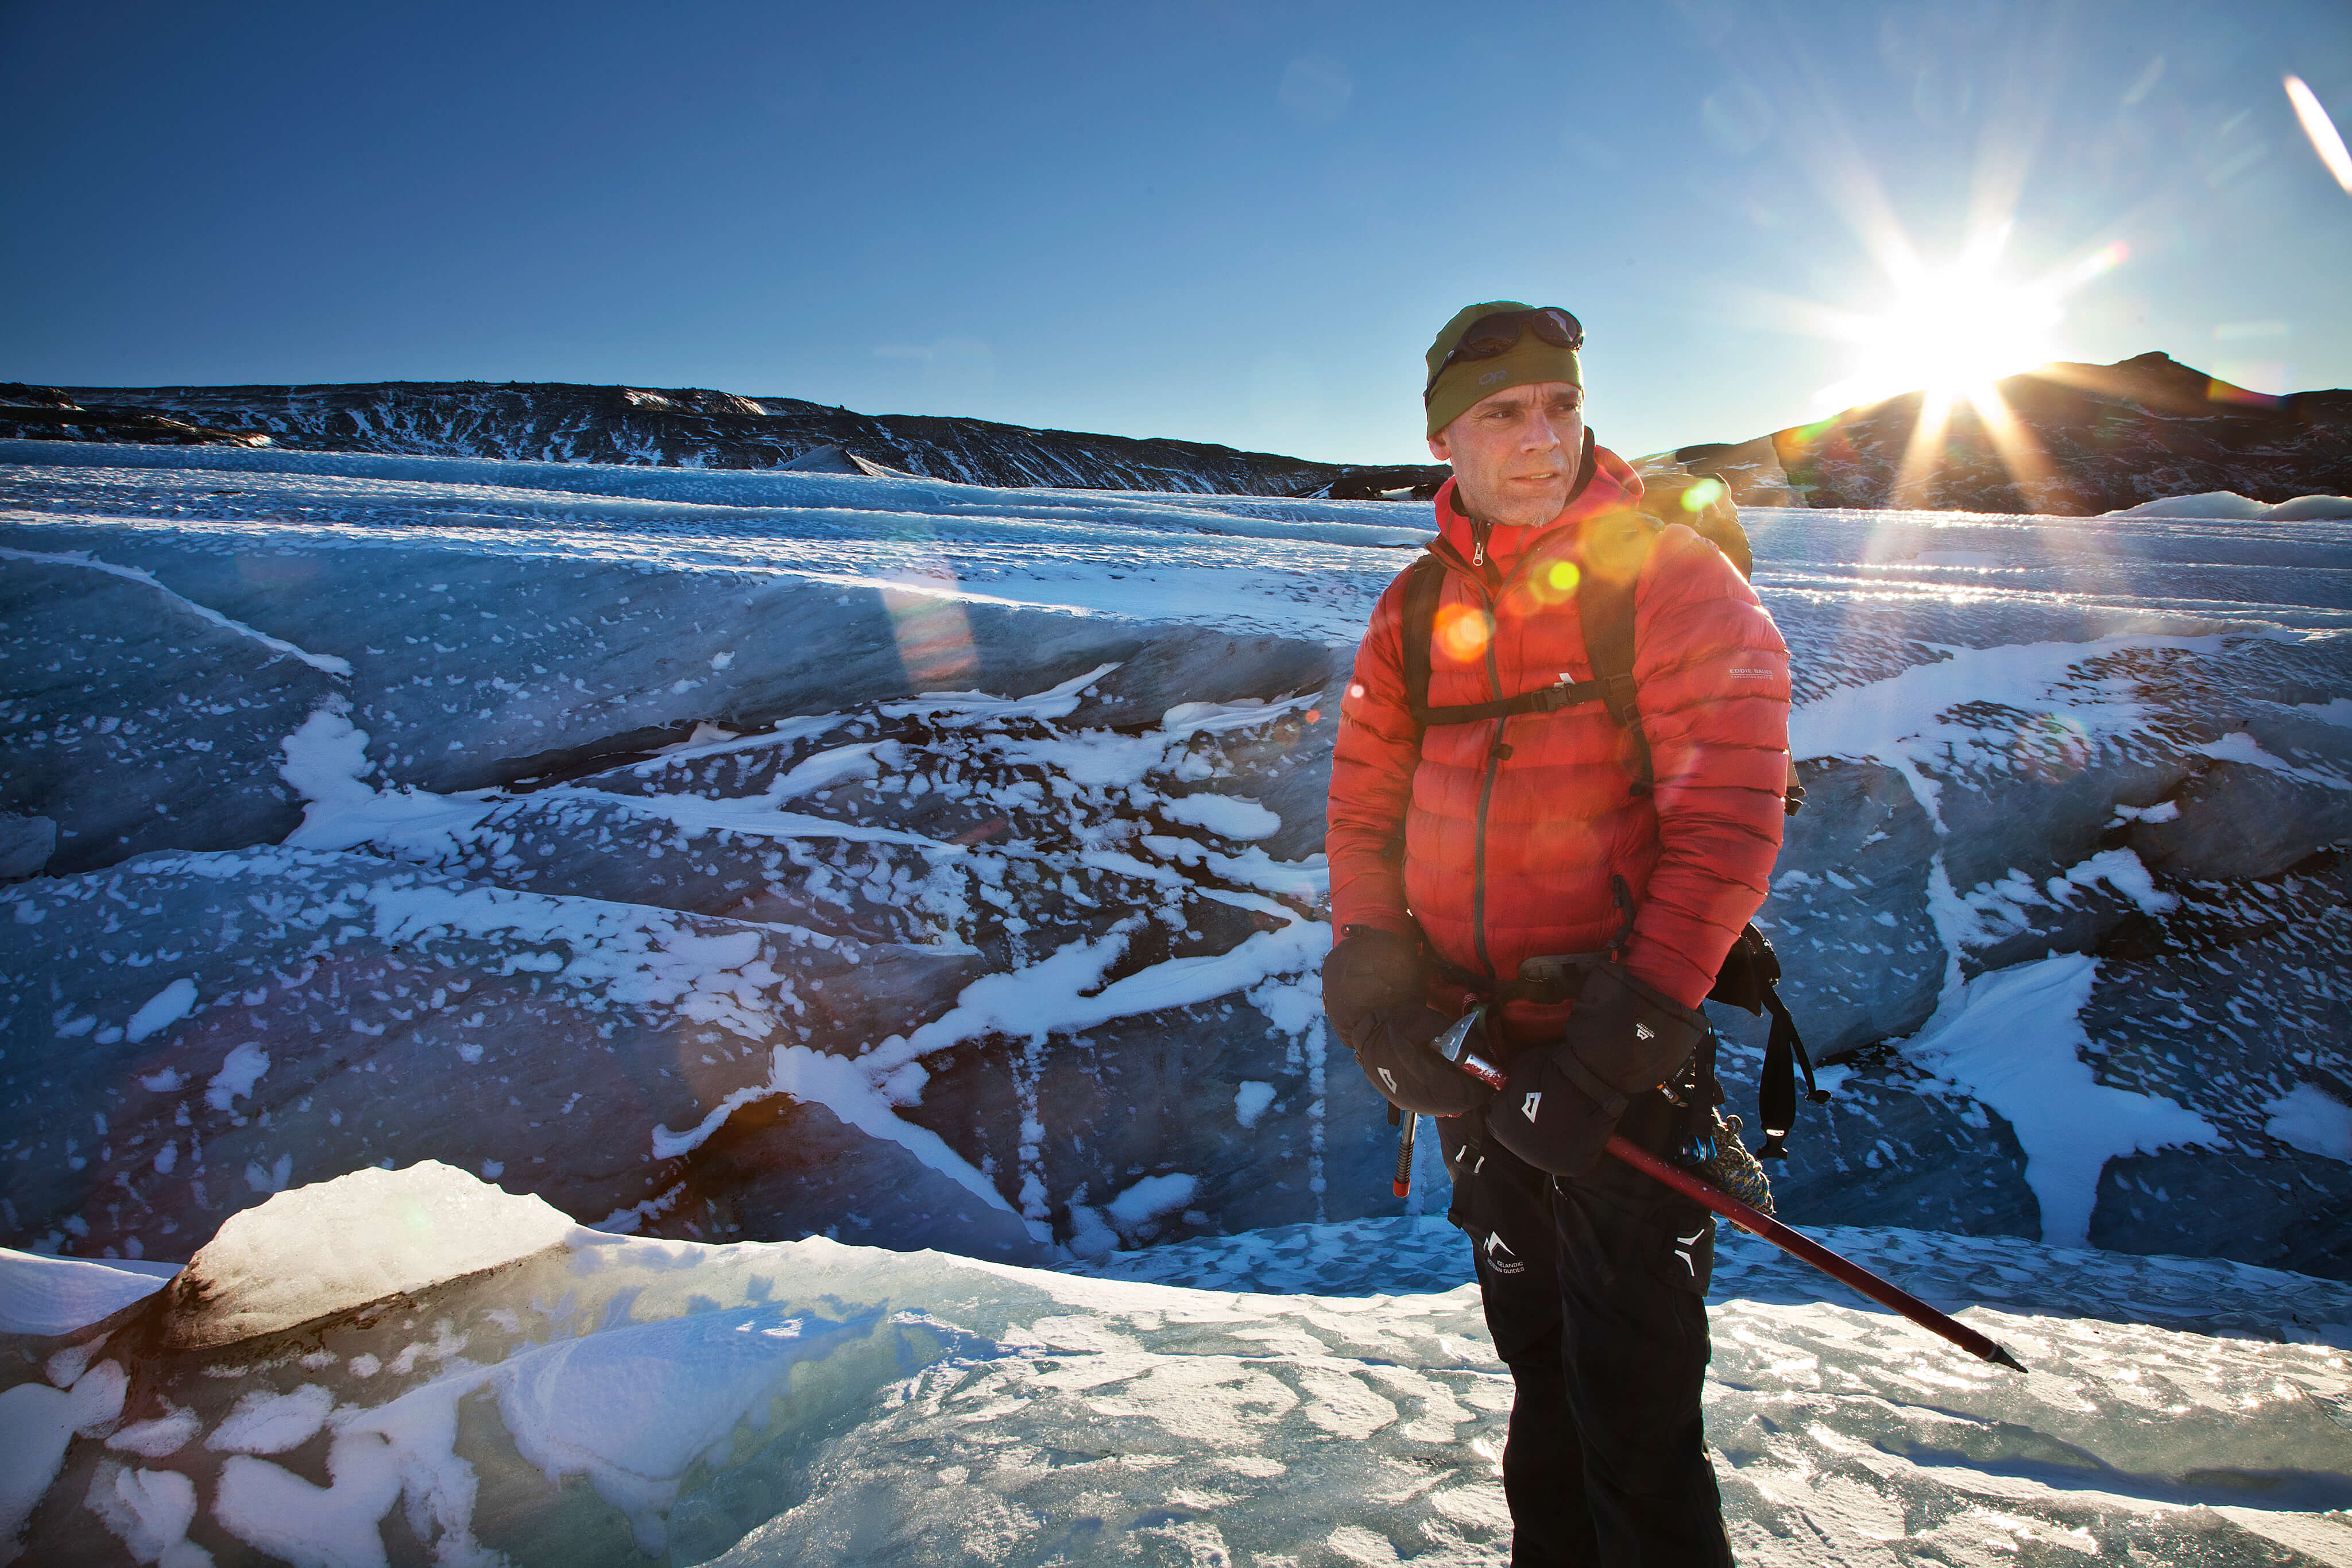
(1606, 609)
(1423, 581)
(1776, 1092)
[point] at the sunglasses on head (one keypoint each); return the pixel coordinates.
(1492, 335)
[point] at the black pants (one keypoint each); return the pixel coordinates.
(1595, 1293)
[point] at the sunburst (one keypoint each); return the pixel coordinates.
(1952, 328)
(1955, 330)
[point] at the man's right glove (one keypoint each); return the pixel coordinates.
(1561, 1103)
(1373, 986)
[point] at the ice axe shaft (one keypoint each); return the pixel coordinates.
(1756, 1222)
(1846, 1271)
(1403, 1182)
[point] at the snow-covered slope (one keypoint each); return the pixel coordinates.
(799, 1402)
(588, 827)
(2229, 504)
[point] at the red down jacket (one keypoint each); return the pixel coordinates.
(1512, 829)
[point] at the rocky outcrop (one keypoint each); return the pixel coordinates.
(2076, 439)
(46, 413)
(1399, 482)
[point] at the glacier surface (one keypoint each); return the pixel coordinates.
(760, 854)
(745, 870)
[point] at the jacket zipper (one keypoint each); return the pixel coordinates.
(1496, 753)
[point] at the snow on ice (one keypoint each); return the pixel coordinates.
(2015, 1046)
(737, 866)
(1321, 1393)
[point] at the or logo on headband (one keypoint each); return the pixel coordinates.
(1491, 377)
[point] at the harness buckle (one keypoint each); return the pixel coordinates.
(1549, 978)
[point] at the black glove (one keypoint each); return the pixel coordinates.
(1373, 985)
(1369, 972)
(1561, 1103)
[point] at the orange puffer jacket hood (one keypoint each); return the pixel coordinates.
(1511, 830)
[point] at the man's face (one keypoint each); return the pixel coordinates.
(1516, 454)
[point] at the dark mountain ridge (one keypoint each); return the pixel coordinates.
(668, 427)
(2074, 440)
(2077, 440)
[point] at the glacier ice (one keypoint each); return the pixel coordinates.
(1317, 1392)
(397, 1233)
(735, 866)
(696, 700)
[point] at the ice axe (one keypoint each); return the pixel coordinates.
(1402, 1185)
(1455, 1046)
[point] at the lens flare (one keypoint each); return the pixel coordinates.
(2050, 748)
(1703, 495)
(2104, 259)
(928, 623)
(1463, 631)
(2325, 139)
(1554, 584)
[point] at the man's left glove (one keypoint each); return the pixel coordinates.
(1373, 986)
(1560, 1102)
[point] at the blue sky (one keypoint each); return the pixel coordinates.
(1237, 223)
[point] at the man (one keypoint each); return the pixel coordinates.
(1461, 850)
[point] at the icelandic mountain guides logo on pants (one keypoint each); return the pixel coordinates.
(1528, 1106)
(1499, 1255)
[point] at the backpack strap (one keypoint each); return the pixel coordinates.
(1605, 606)
(1543, 700)
(1424, 580)
(1606, 610)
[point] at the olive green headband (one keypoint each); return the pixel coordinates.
(1469, 381)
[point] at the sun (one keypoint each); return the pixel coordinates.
(1959, 329)
(1952, 331)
